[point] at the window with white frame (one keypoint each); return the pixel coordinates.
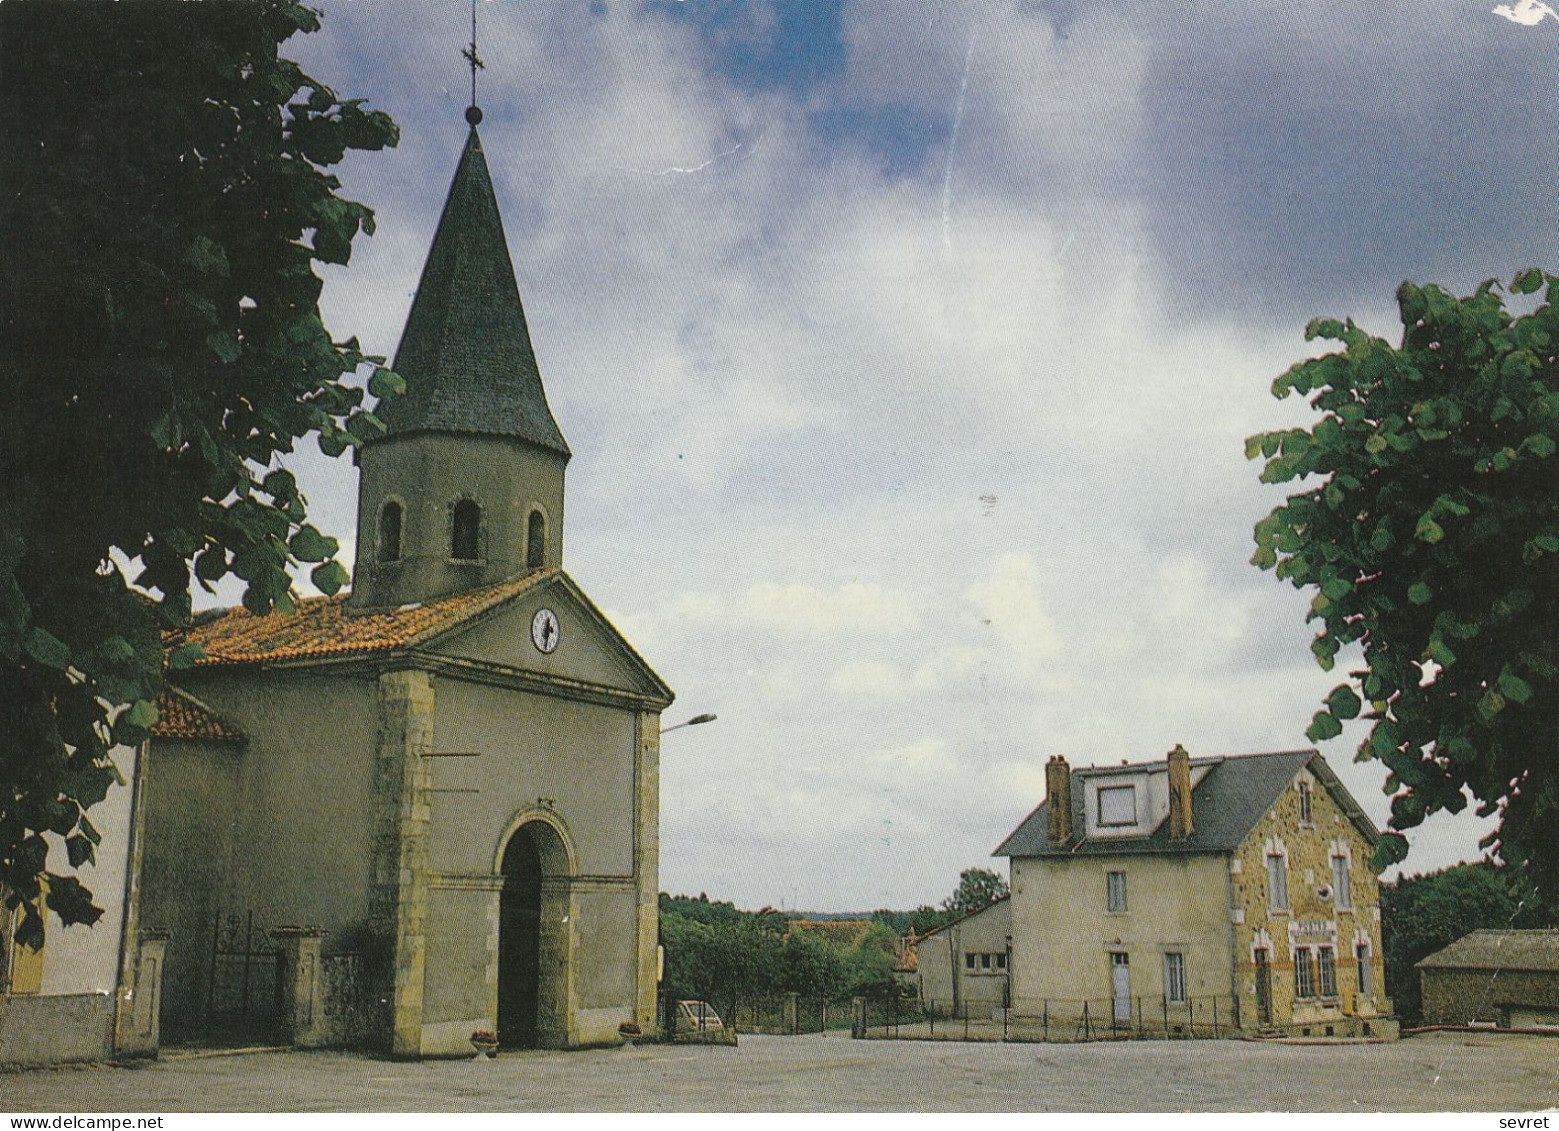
(1342, 890)
(1326, 966)
(1277, 881)
(1361, 954)
(1304, 973)
(1174, 978)
(1306, 816)
(1118, 805)
(1115, 892)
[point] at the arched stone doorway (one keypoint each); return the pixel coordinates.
(533, 939)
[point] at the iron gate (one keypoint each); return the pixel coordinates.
(243, 986)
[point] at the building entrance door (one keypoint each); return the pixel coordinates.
(1263, 987)
(519, 942)
(1120, 985)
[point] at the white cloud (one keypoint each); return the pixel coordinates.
(818, 447)
(854, 607)
(1011, 604)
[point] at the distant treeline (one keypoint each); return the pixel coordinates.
(717, 952)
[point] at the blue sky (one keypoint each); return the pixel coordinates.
(907, 352)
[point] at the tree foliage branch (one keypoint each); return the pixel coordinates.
(1429, 535)
(161, 350)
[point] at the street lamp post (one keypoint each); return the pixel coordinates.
(693, 722)
(668, 1018)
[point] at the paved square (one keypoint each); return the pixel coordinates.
(1434, 1072)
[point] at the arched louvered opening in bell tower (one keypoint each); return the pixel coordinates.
(536, 541)
(465, 539)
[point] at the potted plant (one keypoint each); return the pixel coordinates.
(485, 1042)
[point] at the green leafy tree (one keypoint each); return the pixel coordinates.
(1431, 538)
(926, 918)
(917, 922)
(701, 909)
(977, 889)
(721, 960)
(811, 965)
(870, 962)
(164, 202)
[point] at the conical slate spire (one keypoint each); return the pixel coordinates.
(466, 352)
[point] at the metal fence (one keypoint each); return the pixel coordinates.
(780, 1014)
(893, 1016)
(790, 1014)
(356, 1015)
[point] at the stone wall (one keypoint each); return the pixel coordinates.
(427, 473)
(1466, 997)
(192, 803)
(37, 1029)
(1313, 916)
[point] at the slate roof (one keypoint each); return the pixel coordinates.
(1498, 950)
(321, 626)
(466, 351)
(181, 715)
(1234, 793)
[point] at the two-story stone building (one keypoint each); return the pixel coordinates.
(1226, 893)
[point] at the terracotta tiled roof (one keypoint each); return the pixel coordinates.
(181, 715)
(321, 626)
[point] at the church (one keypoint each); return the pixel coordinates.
(429, 808)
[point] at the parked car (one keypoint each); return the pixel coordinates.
(697, 1017)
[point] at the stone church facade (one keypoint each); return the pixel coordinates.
(446, 782)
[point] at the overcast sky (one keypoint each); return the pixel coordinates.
(907, 353)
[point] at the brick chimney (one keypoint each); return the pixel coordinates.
(1180, 824)
(1058, 793)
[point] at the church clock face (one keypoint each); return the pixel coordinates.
(544, 631)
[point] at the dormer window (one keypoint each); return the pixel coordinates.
(536, 541)
(390, 532)
(465, 533)
(1117, 805)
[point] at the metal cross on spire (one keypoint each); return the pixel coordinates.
(473, 112)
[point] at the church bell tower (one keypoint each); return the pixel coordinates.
(465, 487)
